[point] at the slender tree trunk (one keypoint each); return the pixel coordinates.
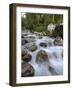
(53, 18)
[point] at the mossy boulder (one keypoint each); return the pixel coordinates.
(27, 70)
(31, 46)
(26, 58)
(41, 56)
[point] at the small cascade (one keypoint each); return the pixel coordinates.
(54, 64)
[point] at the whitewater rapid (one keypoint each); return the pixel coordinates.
(55, 58)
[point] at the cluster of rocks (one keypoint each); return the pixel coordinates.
(30, 42)
(58, 41)
(27, 69)
(29, 45)
(27, 42)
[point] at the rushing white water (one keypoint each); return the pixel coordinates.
(55, 59)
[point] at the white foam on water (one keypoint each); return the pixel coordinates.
(54, 58)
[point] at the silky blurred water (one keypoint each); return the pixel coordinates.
(55, 59)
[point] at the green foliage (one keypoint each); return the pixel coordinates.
(40, 28)
(40, 22)
(58, 19)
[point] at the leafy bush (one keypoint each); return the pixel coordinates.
(40, 28)
(40, 22)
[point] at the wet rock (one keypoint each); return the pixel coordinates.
(27, 70)
(26, 58)
(30, 39)
(52, 70)
(24, 52)
(22, 36)
(58, 41)
(50, 43)
(43, 44)
(40, 37)
(24, 41)
(41, 56)
(55, 55)
(25, 55)
(62, 54)
(31, 47)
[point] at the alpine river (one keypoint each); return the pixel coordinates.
(54, 64)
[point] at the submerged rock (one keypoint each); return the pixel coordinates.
(50, 43)
(43, 44)
(40, 37)
(55, 55)
(58, 41)
(41, 56)
(62, 54)
(27, 70)
(52, 70)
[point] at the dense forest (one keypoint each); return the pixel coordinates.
(40, 22)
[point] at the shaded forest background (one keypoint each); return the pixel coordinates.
(39, 23)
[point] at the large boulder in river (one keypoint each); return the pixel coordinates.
(41, 56)
(43, 44)
(58, 41)
(26, 57)
(24, 52)
(27, 70)
(31, 46)
(23, 41)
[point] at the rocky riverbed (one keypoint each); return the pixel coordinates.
(41, 55)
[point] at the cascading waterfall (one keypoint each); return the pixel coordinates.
(54, 59)
(54, 64)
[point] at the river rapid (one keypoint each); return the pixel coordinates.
(55, 58)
